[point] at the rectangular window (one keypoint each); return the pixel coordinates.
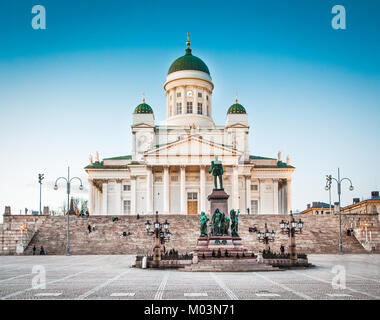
(254, 206)
(174, 178)
(179, 107)
(192, 196)
(199, 108)
(207, 98)
(126, 187)
(127, 206)
(157, 178)
(178, 94)
(199, 94)
(254, 187)
(208, 111)
(189, 107)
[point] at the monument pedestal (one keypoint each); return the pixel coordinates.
(218, 200)
(233, 245)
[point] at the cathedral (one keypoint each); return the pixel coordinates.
(168, 168)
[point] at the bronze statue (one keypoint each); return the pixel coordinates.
(204, 220)
(217, 171)
(226, 226)
(220, 224)
(234, 222)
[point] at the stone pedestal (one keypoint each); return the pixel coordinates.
(206, 245)
(218, 200)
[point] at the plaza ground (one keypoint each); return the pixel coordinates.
(111, 277)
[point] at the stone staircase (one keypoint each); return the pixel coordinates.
(10, 232)
(320, 234)
(366, 230)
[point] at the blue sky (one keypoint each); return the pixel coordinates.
(68, 91)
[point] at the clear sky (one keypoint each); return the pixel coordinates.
(310, 91)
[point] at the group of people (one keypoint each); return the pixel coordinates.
(82, 213)
(42, 251)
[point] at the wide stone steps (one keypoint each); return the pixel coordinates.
(320, 234)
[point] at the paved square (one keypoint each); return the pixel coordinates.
(111, 277)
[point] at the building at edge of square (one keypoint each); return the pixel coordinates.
(167, 170)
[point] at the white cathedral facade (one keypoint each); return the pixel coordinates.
(168, 169)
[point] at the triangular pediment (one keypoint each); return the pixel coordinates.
(142, 125)
(193, 146)
(237, 125)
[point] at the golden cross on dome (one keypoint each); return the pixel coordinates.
(188, 40)
(143, 97)
(236, 97)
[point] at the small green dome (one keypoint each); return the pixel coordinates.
(143, 108)
(236, 108)
(188, 62)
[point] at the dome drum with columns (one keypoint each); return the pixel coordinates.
(167, 170)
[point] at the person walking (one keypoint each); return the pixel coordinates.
(34, 250)
(42, 251)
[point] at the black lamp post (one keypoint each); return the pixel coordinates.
(68, 190)
(162, 234)
(266, 237)
(290, 228)
(329, 179)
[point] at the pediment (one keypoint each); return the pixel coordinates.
(142, 125)
(237, 125)
(193, 146)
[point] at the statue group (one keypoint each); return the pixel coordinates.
(220, 224)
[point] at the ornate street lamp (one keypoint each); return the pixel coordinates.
(266, 237)
(161, 236)
(68, 189)
(329, 179)
(290, 228)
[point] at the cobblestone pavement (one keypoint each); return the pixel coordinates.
(111, 277)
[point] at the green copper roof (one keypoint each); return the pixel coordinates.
(236, 108)
(119, 158)
(260, 158)
(188, 62)
(143, 108)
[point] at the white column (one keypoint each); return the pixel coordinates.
(289, 194)
(184, 106)
(183, 190)
(202, 193)
(118, 200)
(149, 190)
(91, 203)
(275, 196)
(104, 198)
(261, 193)
(248, 193)
(235, 188)
(195, 101)
(166, 190)
(204, 102)
(133, 195)
(134, 155)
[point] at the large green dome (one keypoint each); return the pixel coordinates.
(188, 62)
(236, 108)
(143, 108)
